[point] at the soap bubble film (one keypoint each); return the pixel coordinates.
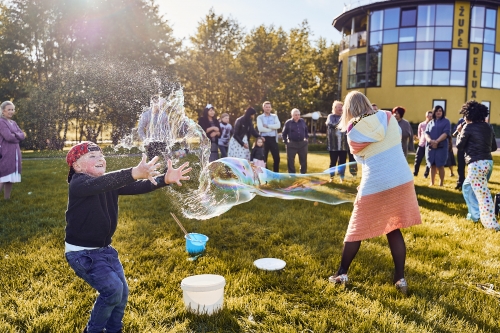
(216, 187)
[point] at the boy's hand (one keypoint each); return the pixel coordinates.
(146, 170)
(176, 175)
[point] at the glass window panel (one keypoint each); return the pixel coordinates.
(489, 47)
(406, 60)
(477, 20)
(444, 15)
(441, 59)
(425, 45)
(352, 65)
(408, 17)
(457, 79)
(486, 80)
(426, 15)
(376, 38)
(444, 33)
(405, 78)
(441, 78)
(488, 62)
(375, 62)
(360, 80)
(391, 36)
(425, 34)
(376, 20)
(439, 102)
(391, 18)
(458, 60)
(489, 36)
(423, 59)
(476, 35)
(442, 45)
(491, 17)
(496, 81)
(423, 78)
(361, 63)
(352, 81)
(407, 35)
(407, 46)
(497, 63)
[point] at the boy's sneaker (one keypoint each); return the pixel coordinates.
(338, 279)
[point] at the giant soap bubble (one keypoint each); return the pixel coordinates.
(216, 187)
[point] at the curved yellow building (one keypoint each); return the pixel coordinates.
(421, 53)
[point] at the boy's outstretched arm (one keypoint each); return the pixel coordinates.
(176, 175)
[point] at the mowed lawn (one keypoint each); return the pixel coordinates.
(446, 257)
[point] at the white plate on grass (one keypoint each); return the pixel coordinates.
(270, 264)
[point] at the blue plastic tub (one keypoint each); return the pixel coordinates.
(195, 243)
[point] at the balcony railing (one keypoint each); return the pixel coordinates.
(351, 4)
(353, 41)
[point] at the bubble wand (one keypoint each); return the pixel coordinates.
(180, 225)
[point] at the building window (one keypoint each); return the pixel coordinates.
(488, 105)
(374, 68)
(423, 67)
(490, 72)
(483, 23)
(357, 71)
(439, 102)
(441, 59)
(409, 17)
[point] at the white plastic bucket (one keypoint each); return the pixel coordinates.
(203, 294)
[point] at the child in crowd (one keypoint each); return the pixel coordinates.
(91, 220)
(226, 131)
(258, 155)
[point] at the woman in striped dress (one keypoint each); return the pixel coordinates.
(374, 138)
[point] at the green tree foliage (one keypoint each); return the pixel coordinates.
(55, 44)
(209, 71)
(91, 66)
(262, 64)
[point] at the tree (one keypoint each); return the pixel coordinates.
(209, 71)
(60, 44)
(262, 63)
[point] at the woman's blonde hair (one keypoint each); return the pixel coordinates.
(355, 105)
(335, 103)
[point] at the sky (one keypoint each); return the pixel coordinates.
(184, 16)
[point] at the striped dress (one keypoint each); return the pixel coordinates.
(386, 198)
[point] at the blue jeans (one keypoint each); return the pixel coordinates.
(223, 151)
(103, 271)
(479, 173)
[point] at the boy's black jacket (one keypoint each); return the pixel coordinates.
(92, 213)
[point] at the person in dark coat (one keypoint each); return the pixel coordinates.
(295, 137)
(210, 125)
(243, 128)
(477, 139)
(10, 160)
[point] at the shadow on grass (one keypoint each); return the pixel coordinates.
(435, 199)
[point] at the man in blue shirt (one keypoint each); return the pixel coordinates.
(295, 138)
(268, 125)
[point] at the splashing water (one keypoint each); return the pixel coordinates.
(216, 187)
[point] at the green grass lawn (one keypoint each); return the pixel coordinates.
(447, 256)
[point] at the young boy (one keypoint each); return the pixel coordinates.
(226, 130)
(91, 221)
